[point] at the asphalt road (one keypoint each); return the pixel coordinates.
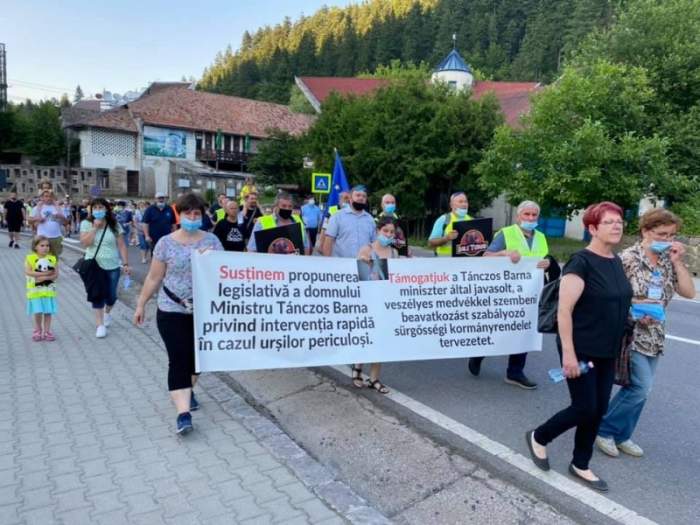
(662, 486)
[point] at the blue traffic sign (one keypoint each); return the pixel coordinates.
(321, 182)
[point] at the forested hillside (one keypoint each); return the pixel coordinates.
(503, 39)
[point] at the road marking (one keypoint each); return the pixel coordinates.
(683, 340)
(560, 482)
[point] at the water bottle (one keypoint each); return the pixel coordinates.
(656, 286)
(126, 282)
(557, 374)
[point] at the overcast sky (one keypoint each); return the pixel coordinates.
(54, 45)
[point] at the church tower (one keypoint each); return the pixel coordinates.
(454, 71)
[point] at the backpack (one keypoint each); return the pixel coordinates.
(547, 308)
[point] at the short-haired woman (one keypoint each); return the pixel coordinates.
(171, 266)
(594, 302)
(657, 255)
(103, 238)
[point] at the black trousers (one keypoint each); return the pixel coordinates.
(177, 332)
(516, 364)
(590, 394)
(311, 232)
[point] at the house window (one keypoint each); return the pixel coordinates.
(103, 179)
(452, 84)
(227, 142)
(207, 141)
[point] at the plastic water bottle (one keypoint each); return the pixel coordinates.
(656, 286)
(557, 374)
(126, 282)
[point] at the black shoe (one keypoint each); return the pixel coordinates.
(184, 423)
(521, 381)
(11, 243)
(17, 246)
(542, 464)
(599, 484)
(475, 365)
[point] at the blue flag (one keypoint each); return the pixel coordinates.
(339, 183)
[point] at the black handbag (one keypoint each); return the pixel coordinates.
(91, 273)
(547, 308)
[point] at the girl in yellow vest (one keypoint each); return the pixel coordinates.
(41, 269)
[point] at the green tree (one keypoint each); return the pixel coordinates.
(78, 95)
(45, 138)
(411, 138)
(279, 160)
(299, 103)
(585, 140)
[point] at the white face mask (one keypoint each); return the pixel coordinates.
(312, 202)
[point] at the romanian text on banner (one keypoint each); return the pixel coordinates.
(255, 311)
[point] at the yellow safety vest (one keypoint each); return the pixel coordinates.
(220, 214)
(41, 291)
(446, 249)
(268, 222)
(515, 241)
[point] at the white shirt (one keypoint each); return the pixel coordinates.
(50, 228)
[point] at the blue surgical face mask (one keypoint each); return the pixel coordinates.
(190, 225)
(99, 214)
(384, 240)
(659, 246)
(160, 204)
(529, 226)
(390, 208)
(461, 212)
(345, 205)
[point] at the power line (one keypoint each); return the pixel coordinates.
(37, 85)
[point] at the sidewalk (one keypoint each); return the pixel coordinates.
(88, 435)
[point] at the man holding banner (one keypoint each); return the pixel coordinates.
(443, 232)
(281, 216)
(516, 241)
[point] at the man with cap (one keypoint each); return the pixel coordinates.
(516, 241)
(351, 228)
(443, 232)
(158, 220)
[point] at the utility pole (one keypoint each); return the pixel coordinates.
(3, 78)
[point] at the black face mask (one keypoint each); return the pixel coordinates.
(285, 214)
(359, 206)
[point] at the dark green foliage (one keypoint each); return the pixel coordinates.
(279, 160)
(412, 139)
(35, 130)
(504, 39)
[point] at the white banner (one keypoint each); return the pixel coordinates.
(255, 311)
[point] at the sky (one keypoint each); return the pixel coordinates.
(120, 46)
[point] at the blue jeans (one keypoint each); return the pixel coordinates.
(110, 286)
(626, 407)
(143, 245)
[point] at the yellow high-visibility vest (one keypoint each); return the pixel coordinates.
(268, 222)
(40, 291)
(446, 249)
(515, 241)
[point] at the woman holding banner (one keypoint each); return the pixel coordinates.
(172, 267)
(594, 302)
(372, 265)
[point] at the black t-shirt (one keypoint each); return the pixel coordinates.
(599, 315)
(231, 235)
(13, 211)
(82, 213)
(248, 222)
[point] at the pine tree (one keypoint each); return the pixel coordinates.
(78, 96)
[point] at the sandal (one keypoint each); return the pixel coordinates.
(376, 385)
(36, 335)
(357, 377)
(48, 336)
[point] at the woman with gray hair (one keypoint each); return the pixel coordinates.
(516, 241)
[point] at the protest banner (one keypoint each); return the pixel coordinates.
(473, 237)
(254, 311)
(282, 240)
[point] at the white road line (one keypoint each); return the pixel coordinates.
(683, 340)
(562, 483)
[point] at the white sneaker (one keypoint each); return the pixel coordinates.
(101, 332)
(107, 320)
(607, 446)
(631, 448)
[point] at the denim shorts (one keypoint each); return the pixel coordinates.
(111, 283)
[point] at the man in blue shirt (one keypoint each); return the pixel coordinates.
(351, 228)
(311, 215)
(158, 220)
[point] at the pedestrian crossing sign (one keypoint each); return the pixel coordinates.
(321, 182)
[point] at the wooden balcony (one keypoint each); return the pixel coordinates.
(207, 155)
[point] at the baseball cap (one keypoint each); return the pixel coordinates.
(160, 195)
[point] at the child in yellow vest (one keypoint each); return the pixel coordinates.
(41, 269)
